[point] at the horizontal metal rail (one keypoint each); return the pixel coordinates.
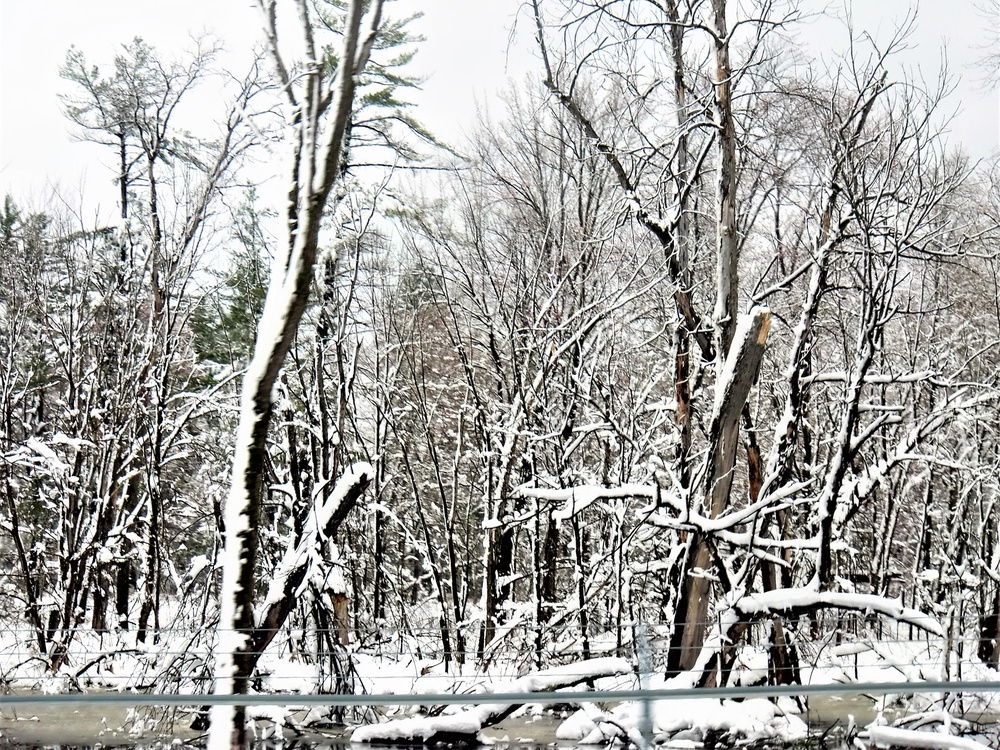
(547, 697)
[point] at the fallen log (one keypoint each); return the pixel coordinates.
(465, 725)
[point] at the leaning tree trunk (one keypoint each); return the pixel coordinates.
(732, 391)
(322, 117)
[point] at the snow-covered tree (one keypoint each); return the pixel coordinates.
(321, 99)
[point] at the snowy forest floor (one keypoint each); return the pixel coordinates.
(103, 668)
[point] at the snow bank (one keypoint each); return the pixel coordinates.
(422, 728)
(894, 737)
(686, 719)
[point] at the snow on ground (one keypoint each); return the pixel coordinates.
(889, 660)
(116, 661)
(690, 719)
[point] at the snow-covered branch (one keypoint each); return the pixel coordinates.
(303, 557)
(802, 601)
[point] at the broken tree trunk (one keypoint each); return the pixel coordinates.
(731, 393)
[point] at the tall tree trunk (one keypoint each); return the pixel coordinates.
(727, 244)
(322, 119)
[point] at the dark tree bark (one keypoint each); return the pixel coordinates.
(733, 389)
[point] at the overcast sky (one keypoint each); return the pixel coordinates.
(465, 59)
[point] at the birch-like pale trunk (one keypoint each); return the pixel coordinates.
(321, 115)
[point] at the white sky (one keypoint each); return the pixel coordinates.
(465, 59)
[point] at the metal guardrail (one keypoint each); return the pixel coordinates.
(548, 697)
